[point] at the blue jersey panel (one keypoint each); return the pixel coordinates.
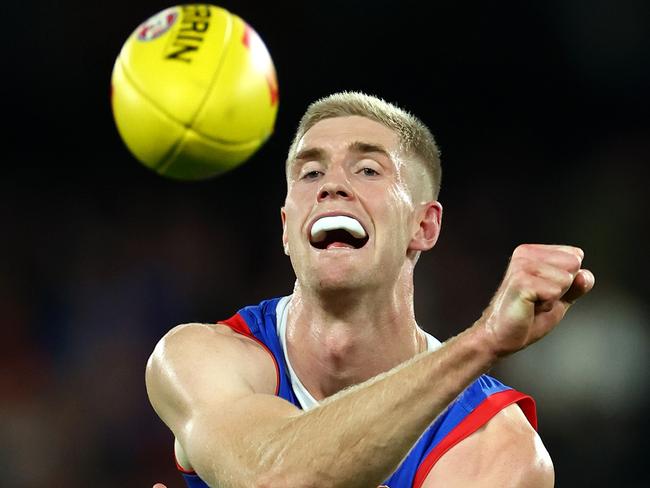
(261, 320)
(467, 401)
(193, 481)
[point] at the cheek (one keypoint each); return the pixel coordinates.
(299, 197)
(400, 203)
(292, 219)
(402, 196)
(396, 213)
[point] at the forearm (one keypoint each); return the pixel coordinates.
(358, 437)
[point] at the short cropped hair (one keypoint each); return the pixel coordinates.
(415, 137)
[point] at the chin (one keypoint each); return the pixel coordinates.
(335, 270)
(338, 277)
(330, 285)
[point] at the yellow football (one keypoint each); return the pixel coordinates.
(194, 92)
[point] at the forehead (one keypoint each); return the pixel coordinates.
(338, 132)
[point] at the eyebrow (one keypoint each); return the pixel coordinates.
(365, 147)
(310, 153)
(356, 146)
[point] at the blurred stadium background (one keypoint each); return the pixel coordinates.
(542, 113)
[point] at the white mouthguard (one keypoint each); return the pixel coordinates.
(325, 224)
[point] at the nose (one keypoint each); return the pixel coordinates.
(334, 189)
(335, 184)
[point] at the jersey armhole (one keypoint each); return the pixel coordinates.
(239, 325)
(487, 409)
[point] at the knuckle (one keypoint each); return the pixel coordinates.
(516, 263)
(580, 257)
(575, 264)
(568, 262)
(555, 292)
(525, 266)
(574, 251)
(567, 278)
(521, 249)
(580, 252)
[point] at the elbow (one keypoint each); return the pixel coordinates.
(534, 469)
(536, 476)
(540, 472)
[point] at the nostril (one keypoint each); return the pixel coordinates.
(333, 191)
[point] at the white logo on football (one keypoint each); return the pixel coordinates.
(336, 222)
(157, 25)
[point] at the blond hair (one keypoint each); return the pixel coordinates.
(415, 137)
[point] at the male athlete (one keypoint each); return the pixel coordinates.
(337, 385)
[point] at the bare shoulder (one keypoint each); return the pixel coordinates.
(185, 340)
(506, 452)
(198, 362)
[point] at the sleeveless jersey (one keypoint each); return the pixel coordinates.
(472, 409)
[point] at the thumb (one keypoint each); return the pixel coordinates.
(159, 485)
(582, 284)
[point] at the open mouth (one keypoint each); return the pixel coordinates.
(341, 239)
(338, 231)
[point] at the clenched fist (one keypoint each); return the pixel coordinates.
(541, 283)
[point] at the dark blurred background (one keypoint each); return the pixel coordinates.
(542, 113)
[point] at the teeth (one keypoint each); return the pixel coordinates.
(326, 224)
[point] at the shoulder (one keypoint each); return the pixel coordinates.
(187, 344)
(195, 360)
(506, 451)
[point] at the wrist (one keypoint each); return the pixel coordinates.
(481, 339)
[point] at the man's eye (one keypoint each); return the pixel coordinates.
(311, 175)
(369, 172)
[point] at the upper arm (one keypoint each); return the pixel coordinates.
(506, 452)
(214, 389)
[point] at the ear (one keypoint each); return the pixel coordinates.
(285, 239)
(430, 222)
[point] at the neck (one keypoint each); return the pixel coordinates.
(336, 340)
